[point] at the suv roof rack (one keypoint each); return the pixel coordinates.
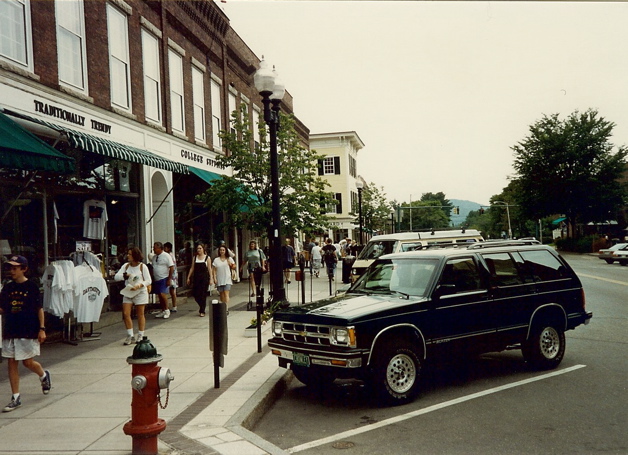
(499, 243)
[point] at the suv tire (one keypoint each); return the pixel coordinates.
(545, 348)
(396, 373)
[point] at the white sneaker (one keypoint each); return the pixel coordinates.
(138, 338)
(129, 340)
(174, 309)
(164, 314)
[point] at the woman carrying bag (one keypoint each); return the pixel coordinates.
(137, 279)
(255, 259)
(200, 276)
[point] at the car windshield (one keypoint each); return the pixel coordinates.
(407, 277)
(373, 250)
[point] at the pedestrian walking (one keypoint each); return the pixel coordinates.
(163, 270)
(317, 259)
(23, 329)
(255, 259)
(330, 257)
(222, 268)
(174, 284)
(137, 279)
(288, 255)
(200, 277)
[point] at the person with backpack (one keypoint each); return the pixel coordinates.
(330, 257)
(137, 280)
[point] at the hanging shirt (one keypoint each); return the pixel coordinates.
(94, 219)
(53, 281)
(89, 294)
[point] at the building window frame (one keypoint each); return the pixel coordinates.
(152, 76)
(216, 106)
(71, 51)
(177, 99)
(119, 58)
(198, 99)
(9, 39)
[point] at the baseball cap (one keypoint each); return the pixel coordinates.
(18, 260)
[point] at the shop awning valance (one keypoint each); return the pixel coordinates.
(206, 176)
(111, 149)
(20, 149)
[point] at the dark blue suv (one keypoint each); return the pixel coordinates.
(410, 308)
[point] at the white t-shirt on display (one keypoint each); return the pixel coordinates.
(94, 219)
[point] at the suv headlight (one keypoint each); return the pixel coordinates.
(343, 336)
(277, 328)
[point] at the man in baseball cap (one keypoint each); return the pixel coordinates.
(23, 328)
(18, 260)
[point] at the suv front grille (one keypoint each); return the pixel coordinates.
(307, 333)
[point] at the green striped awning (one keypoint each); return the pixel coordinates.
(20, 149)
(111, 149)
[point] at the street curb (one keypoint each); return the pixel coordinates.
(255, 408)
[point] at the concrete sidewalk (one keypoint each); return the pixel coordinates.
(90, 400)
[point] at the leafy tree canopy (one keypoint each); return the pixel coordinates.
(376, 209)
(430, 212)
(569, 167)
(245, 197)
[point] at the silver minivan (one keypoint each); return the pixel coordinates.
(409, 241)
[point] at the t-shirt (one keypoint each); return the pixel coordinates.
(89, 294)
(20, 304)
(161, 265)
(94, 219)
(254, 258)
(223, 271)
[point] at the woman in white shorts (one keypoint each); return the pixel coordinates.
(136, 277)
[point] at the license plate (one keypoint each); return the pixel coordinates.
(302, 360)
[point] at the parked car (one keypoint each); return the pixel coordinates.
(621, 256)
(607, 254)
(421, 306)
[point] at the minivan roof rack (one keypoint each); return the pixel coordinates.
(500, 243)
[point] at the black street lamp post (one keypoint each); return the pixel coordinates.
(272, 90)
(359, 184)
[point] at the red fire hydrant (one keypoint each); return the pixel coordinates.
(148, 380)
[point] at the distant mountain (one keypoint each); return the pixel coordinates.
(465, 208)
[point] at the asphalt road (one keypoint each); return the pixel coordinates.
(487, 405)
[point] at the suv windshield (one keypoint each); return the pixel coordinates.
(373, 250)
(408, 277)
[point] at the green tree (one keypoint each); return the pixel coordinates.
(245, 197)
(421, 215)
(569, 167)
(439, 197)
(376, 210)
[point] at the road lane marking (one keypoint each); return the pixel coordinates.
(436, 407)
(623, 283)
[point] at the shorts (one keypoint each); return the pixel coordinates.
(139, 299)
(226, 287)
(174, 283)
(160, 286)
(20, 348)
(288, 265)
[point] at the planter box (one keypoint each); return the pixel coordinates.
(250, 331)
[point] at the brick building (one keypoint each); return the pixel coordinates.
(136, 93)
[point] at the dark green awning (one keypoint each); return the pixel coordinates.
(206, 176)
(22, 150)
(111, 149)
(559, 220)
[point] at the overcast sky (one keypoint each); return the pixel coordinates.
(440, 91)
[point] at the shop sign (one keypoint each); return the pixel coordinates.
(198, 158)
(69, 116)
(83, 245)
